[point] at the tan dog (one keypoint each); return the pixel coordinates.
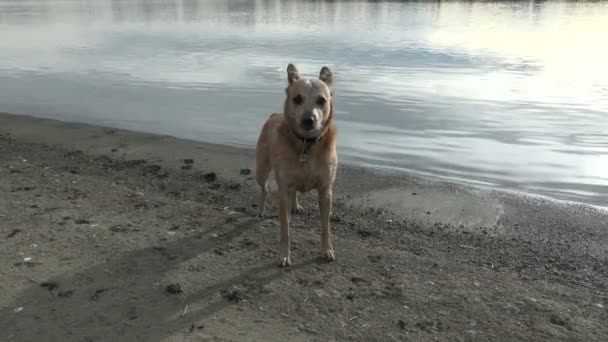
(299, 146)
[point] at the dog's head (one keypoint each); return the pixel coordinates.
(309, 102)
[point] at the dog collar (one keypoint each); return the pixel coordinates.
(308, 143)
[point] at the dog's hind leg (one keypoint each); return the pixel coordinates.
(296, 208)
(262, 177)
(262, 173)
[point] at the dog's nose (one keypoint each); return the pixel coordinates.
(308, 122)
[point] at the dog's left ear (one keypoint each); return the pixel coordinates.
(326, 76)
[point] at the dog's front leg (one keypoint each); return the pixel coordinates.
(285, 196)
(325, 198)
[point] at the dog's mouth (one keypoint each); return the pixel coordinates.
(308, 132)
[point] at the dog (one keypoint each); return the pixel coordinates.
(299, 147)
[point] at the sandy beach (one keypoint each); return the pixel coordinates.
(112, 235)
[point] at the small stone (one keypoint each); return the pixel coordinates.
(13, 233)
(210, 177)
(49, 285)
(174, 288)
(234, 186)
(556, 320)
(132, 314)
(97, 294)
(66, 294)
(233, 295)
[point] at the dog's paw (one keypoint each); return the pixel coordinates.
(285, 261)
(284, 258)
(328, 254)
(297, 209)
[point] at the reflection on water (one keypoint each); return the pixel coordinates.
(507, 94)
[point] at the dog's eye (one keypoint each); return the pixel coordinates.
(298, 99)
(321, 101)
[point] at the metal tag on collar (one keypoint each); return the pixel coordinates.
(305, 150)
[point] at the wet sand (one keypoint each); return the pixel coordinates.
(111, 235)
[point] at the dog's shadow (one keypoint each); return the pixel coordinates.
(121, 300)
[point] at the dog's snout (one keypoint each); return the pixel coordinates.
(308, 121)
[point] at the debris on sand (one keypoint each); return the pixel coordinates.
(66, 294)
(210, 177)
(132, 313)
(233, 295)
(49, 285)
(152, 168)
(13, 233)
(358, 280)
(245, 172)
(188, 161)
(364, 233)
(557, 320)
(97, 293)
(117, 228)
(196, 327)
(82, 221)
(174, 288)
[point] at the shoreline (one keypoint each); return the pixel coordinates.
(110, 234)
(449, 203)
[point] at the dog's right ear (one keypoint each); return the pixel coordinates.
(326, 76)
(292, 73)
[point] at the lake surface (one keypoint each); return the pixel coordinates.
(510, 95)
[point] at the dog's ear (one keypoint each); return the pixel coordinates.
(326, 76)
(292, 73)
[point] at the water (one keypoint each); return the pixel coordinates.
(510, 95)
